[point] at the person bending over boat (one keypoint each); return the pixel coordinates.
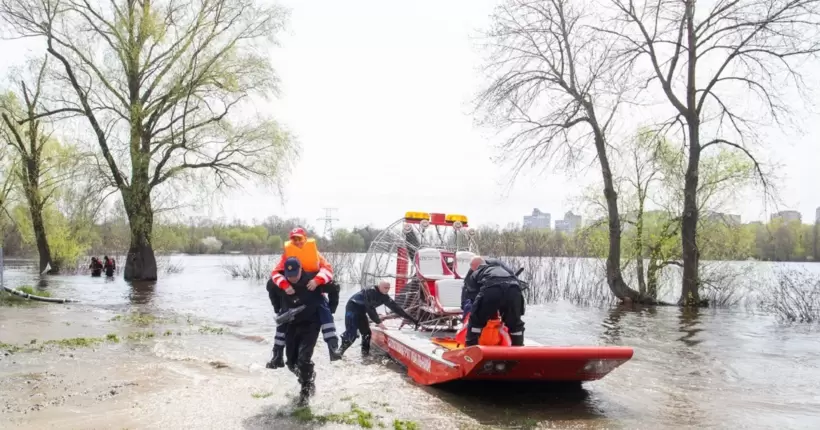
(304, 250)
(303, 331)
(499, 291)
(364, 304)
(470, 290)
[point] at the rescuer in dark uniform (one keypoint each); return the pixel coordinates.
(364, 304)
(279, 300)
(470, 290)
(303, 330)
(498, 291)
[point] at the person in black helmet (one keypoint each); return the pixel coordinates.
(303, 331)
(364, 304)
(499, 292)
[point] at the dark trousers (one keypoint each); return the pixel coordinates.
(328, 326)
(356, 322)
(301, 340)
(505, 299)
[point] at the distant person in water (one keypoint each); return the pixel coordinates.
(96, 267)
(108, 265)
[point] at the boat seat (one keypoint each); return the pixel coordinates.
(462, 264)
(449, 294)
(430, 264)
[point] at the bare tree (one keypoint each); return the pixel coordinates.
(161, 84)
(558, 86)
(748, 49)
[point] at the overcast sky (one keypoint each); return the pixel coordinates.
(379, 94)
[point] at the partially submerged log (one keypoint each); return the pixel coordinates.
(38, 298)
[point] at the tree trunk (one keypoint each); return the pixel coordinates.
(614, 277)
(690, 295)
(639, 249)
(42, 240)
(652, 278)
(35, 206)
(141, 264)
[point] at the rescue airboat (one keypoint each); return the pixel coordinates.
(426, 256)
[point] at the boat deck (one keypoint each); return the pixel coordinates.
(421, 341)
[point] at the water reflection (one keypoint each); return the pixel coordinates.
(42, 283)
(142, 292)
(689, 324)
(506, 403)
(612, 325)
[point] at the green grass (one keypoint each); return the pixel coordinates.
(137, 318)
(356, 416)
(140, 335)
(405, 425)
(211, 330)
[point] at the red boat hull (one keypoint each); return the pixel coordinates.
(499, 363)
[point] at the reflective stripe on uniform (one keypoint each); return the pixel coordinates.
(328, 330)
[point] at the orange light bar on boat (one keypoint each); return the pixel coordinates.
(416, 216)
(451, 218)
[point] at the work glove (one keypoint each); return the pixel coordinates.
(467, 306)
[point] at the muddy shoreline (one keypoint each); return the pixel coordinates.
(131, 370)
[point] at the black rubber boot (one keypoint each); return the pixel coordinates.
(345, 344)
(294, 370)
(278, 359)
(308, 386)
(366, 345)
(333, 349)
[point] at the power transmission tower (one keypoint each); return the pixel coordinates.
(328, 219)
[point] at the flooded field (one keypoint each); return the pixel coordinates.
(189, 350)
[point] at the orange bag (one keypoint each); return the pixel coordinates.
(493, 334)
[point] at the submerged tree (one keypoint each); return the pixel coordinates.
(162, 84)
(44, 165)
(558, 86)
(713, 64)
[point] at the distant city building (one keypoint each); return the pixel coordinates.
(817, 215)
(569, 224)
(728, 219)
(538, 220)
(788, 216)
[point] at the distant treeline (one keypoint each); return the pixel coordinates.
(776, 241)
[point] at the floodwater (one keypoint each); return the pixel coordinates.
(691, 369)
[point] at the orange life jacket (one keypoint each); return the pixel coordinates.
(493, 334)
(308, 255)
